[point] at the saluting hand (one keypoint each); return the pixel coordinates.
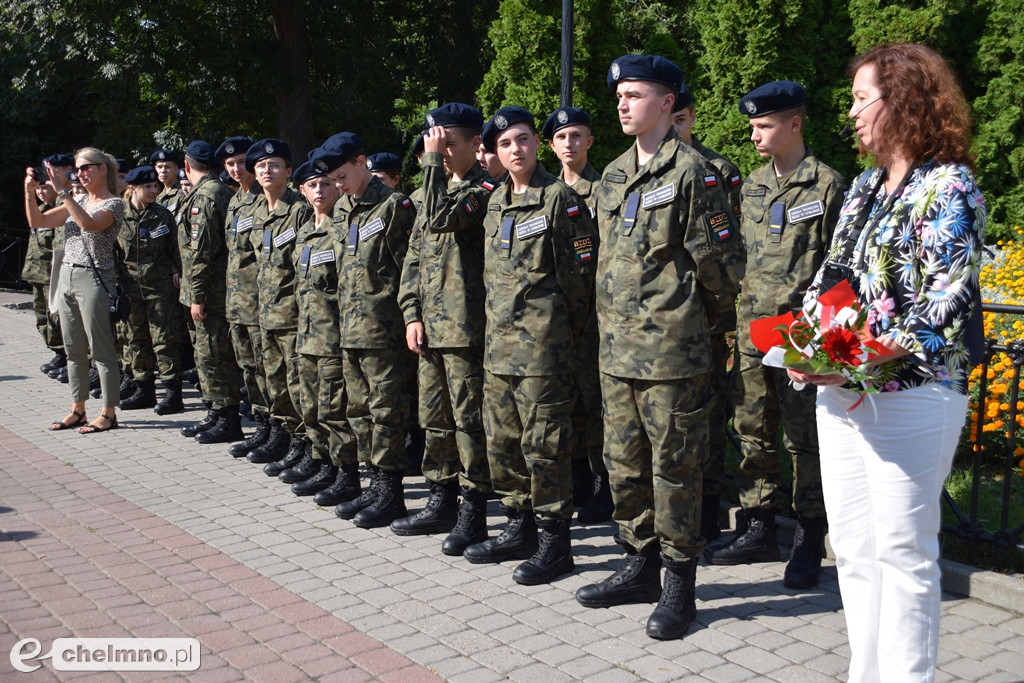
(435, 140)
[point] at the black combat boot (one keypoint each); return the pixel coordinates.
(323, 478)
(259, 437)
(437, 516)
(62, 375)
(709, 528)
(639, 580)
(470, 524)
(191, 376)
(553, 557)
(303, 469)
(171, 403)
(294, 452)
(58, 361)
(207, 422)
(128, 386)
(600, 507)
(95, 390)
(349, 509)
(344, 488)
(518, 541)
(389, 504)
(804, 564)
(273, 448)
(757, 544)
(678, 605)
(144, 396)
(227, 429)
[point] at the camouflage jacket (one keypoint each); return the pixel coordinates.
(783, 259)
(417, 198)
(241, 303)
(316, 291)
(372, 232)
(540, 250)
(584, 187)
(273, 238)
(39, 254)
(146, 253)
(671, 257)
(204, 259)
(442, 277)
(171, 199)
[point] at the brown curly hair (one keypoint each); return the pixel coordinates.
(927, 114)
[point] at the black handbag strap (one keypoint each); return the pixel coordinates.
(98, 277)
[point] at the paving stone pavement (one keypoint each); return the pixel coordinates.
(141, 532)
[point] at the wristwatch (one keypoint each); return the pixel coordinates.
(64, 193)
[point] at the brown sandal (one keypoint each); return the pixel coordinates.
(93, 427)
(57, 426)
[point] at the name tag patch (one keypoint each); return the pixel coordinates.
(718, 226)
(662, 195)
(244, 225)
(322, 257)
(615, 178)
(532, 227)
(370, 229)
(806, 212)
(285, 237)
(583, 248)
(159, 231)
(172, 207)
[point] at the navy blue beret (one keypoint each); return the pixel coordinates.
(651, 68)
(141, 175)
(182, 175)
(683, 100)
(772, 97)
(59, 160)
(384, 161)
(337, 150)
(123, 166)
(502, 119)
(200, 150)
(268, 147)
(562, 117)
(171, 155)
(455, 114)
(417, 147)
(226, 178)
(72, 176)
(238, 144)
(306, 171)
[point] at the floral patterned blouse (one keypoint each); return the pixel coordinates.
(917, 267)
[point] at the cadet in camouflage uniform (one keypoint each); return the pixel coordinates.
(277, 217)
(540, 250)
(167, 165)
(204, 263)
(567, 130)
(149, 268)
(323, 398)
(36, 272)
(684, 116)
(790, 207)
(670, 255)
(371, 225)
(442, 299)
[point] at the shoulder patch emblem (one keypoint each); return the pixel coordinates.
(583, 248)
(735, 180)
(573, 212)
(487, 185)
(718, 226)
(406, 203)
(710, 181)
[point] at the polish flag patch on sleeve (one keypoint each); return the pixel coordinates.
(406, 203)
(573, 211)
(487, 185)
(710, 181)
(735, 180)
(195, 210)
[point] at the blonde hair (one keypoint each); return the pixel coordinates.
(98, 156)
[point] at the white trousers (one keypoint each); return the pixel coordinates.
(883, 465)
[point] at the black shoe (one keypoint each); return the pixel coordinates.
(638, 580)
(323, 478)
(437, 516)
(128, 386)
(171, 403)
(804, 564)
(470, 524)
(389, 504)
(206, 423)
(709, 527)
(600, 507)
(757, 544)
(303, 469)
(349, 509)
(58, 361)
(293, 455)
(144, 396)
(274, 448)
(54, 372)
(553, 557)
(518, 541)
(254, 440)
(62, 375)
(344, 488)
(227, 429)
(191, 376)
(678, 605)
(94, 383)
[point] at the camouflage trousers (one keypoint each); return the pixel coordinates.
(247, 342)
(215, 361)
(528, 421)
(765, 400)
(450, 392)
(323, 403)
(656, 438)
(718, 418)
(152, 338)
(281, 363)
(377, 381)
(47, 323)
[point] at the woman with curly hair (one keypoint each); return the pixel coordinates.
(909, 240)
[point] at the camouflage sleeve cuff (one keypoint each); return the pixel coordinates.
(432, 159)
(412, 315)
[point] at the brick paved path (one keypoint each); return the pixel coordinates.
(141, 532)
